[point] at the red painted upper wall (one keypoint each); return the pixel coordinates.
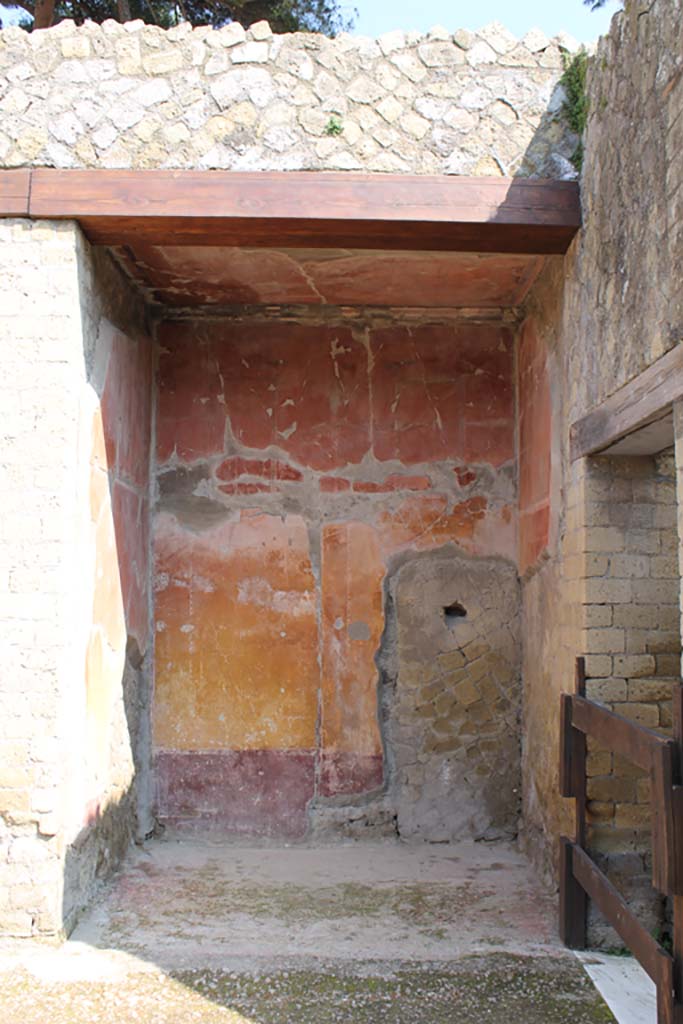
(327, 396)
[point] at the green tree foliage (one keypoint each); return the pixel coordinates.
(324, 16)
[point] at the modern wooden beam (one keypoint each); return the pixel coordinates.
(304, 209)
(15, 188)
(643, 400)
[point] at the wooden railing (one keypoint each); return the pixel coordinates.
(580, 877)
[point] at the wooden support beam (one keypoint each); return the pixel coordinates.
(304, 209)
(666, 873)
(573, 900)
(15, 187)
(677, 901)
(640, 402)
(568, 786)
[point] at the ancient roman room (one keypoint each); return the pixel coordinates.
(341, 468)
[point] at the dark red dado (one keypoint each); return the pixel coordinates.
(260, 793)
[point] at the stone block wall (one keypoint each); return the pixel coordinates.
(56, 526)
(136, 96)
(633, 648)
(299, 466)
(41, 345)
(632, 643)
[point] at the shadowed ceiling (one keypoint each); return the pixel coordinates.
(197, 276)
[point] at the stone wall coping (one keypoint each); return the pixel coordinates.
(137, 96)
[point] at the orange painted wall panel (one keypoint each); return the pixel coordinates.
(237, 636)
(352, 623)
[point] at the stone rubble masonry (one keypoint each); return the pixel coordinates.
(136, 96)
(54, 301)
(605, 313)
(624, 297)
(453, 719)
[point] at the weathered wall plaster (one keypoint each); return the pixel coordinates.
(535, 442)
(134, 95)
(294, 462)
(116, 755)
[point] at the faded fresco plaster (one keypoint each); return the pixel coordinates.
(107, 746)
(296, 463)
(535, 429)
(119, 486)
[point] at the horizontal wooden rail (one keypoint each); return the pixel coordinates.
(653, 753)
(581, 878)
(617, 733)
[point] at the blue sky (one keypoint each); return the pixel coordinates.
(378, 16)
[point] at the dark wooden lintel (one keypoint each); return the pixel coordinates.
(306, 209)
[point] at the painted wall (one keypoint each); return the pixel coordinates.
(119, 507)
(296, 463)
(535, 439)
(108, 730)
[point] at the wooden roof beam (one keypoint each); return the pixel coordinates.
(304, 209)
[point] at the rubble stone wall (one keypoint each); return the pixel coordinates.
(607, 312)
(136, 96)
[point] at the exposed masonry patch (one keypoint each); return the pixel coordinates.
(448, 705)
(452, 696)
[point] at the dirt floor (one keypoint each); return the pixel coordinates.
(366, 933)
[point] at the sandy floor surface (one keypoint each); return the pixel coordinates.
(369, 933)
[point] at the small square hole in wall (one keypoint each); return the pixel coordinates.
(452, 613)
